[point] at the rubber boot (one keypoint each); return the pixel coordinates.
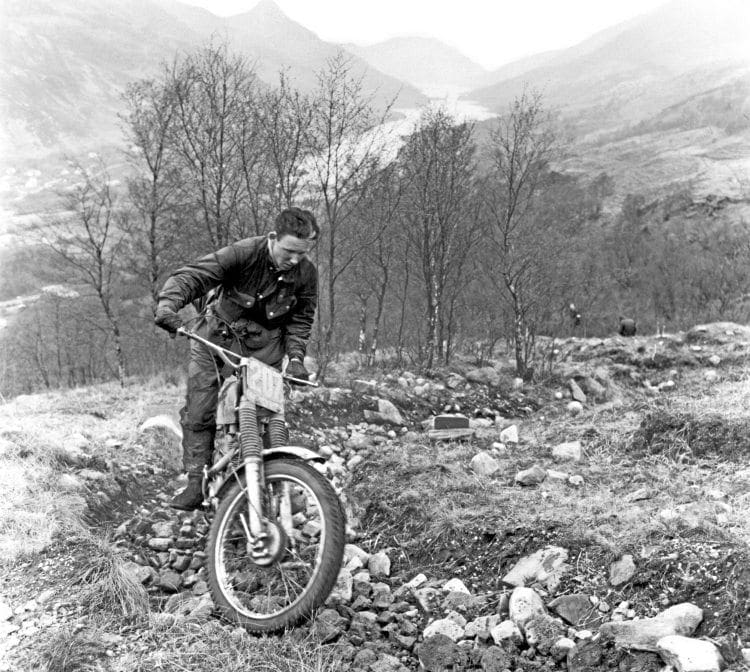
(191, 497)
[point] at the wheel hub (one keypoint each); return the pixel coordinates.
(269, 547)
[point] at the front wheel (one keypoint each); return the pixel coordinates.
(302, 555)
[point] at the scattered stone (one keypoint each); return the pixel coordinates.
(455, 586)
(454, 380)
(380, 565)
(364, 386)
(594, 388)
(485, 375)
(139, 573)
(506, 631)
(483, 464)
(585, 656)
(524, 603)
(494, 659)
(542, 632)
(344, 587)
(574, 407)
(70, 483)
(387, 414)
(452, 421)
(387, 663)
(444, 626)
(575, 609)
(689, 655)
(576, 480)
(509, 435)
(169, 580)
(533, 476)
(711, 375)
(536, 567)
(72, 449)
(359, 441)
(437, 653)
(481, 626)
(576, 393)
(160, 543)
(561, 648)
(354, 461)
(570, 450)
(622, 571)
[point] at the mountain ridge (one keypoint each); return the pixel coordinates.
(67, 63)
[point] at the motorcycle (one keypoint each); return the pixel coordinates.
(276, 540)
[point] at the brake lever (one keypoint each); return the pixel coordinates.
(300, 381)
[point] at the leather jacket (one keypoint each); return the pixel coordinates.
(240, 285)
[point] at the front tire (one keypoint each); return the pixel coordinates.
(306, 547)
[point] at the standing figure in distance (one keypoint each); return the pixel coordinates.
(575, 316)
(627, 326)
(258, 297)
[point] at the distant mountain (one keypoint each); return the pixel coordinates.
(66, 62)
(636, 69)
(424, 62)
(657, 102)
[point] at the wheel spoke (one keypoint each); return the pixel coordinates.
(301, 554)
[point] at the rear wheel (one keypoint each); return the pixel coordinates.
(270, 584)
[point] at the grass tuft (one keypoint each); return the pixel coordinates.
(184, 646)
(108, 588)
(68, 648)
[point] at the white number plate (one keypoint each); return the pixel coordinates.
(267, 384)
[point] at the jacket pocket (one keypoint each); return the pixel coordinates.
(232, 305)
(277, 309)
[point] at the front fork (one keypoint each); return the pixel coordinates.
(264, 536)
(252, 458)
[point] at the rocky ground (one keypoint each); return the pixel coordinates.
(597, 519)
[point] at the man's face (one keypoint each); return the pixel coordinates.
(288, 250)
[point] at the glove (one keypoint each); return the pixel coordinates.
(167, 319)
(296, 369)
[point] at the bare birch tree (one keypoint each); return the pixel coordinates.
(440, 213)
(212, 91)
(522, 144)
(155, 189)
(346, 146)
(90, 241)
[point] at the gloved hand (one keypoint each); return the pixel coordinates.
(167, 319)
(296, 369)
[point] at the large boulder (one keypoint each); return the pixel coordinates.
(718, 332)
(387, 414)
(161, 435)
(689, 655)
(644, 634)
(485, 375)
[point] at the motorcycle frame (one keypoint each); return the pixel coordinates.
(252, 466)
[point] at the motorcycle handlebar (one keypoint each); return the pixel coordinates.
(225, 356)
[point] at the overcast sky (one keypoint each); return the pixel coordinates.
(490, 32)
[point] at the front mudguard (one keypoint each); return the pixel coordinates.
(280, 452)
(298, 452)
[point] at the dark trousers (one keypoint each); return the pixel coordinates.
(206, 372)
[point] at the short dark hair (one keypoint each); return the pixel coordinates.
(297, 222)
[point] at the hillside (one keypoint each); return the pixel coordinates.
(426, 63)
(588, 516)
(66, 64)
(637, 69)
(659, 103)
